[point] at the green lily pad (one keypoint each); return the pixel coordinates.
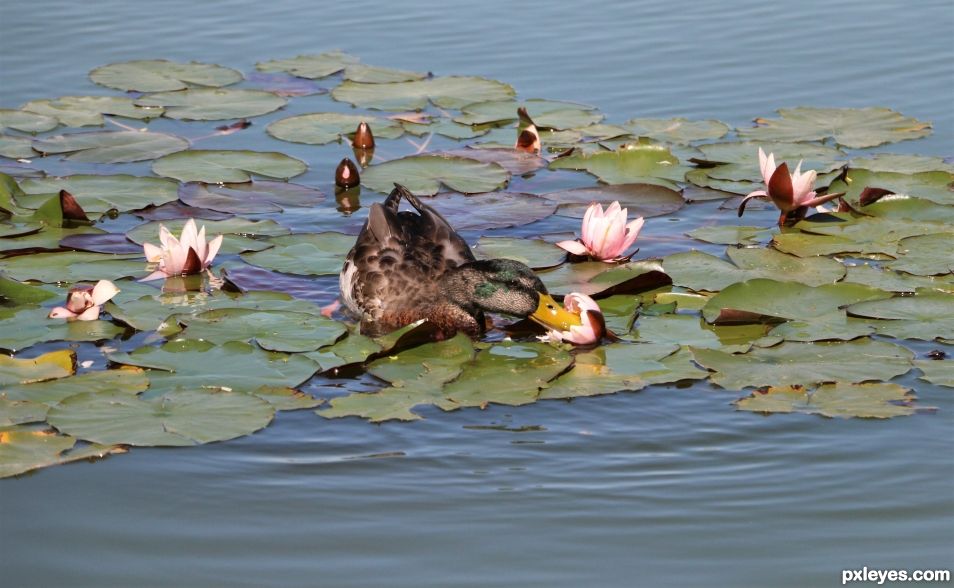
(703, 179)
(126, 380)
(320, 128)
(249, 198)
(17, 412)
(636, 163)
(424, 175)
(85, 111)
(785, 300)
(48, 238)
(516, 162)
(186, 417)
(873, 234)
(23, 449)
(315, 254)
(535, 253)
(936, 186)
(936, 372)
(98, 194)
(894, 281)
(731, 234)
(371, 74)
(238, 226)
(312, 67)
(701, 271)
(806, 245)
(492, 210)
(444, 92)
(221, 166)
(926, 255)
(72, 266)
(31, 325)
(274, 330)
(546, 114)
(213, 103)
(855, 128)
(596, 278)
(355, 348)
(679, 329)
(644, 200)
(901, 163)
(13, 293)
(806, 363)
(111, 146)
(287, 398)
(840, 400)
(905, 207)
(926, 316)
(26, 122)
(49, 366)
(834, 326)
(745, 155)
(619, 312)
(159, 75)
(16, 147)
(447, 128)
(676, 130)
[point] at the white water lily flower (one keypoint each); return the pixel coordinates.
(189, 254)
(605, 235)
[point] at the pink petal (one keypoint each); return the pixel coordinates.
(90, 314)
(214, 245)
(632, 231)
(189, 235)
(103, 291)
(200, 245)
(574, 247)
(61, 313)
(165, 236)
(154, 276)
(153, 253)
(577, 302)
(592, 210)
(174, 260)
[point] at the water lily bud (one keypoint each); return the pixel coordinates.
(71, 208)
(528, 140)
(346, 176)
(79, 298)
(363, 138)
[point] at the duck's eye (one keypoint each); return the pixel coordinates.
(551, 308)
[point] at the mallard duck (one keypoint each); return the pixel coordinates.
(407, 266)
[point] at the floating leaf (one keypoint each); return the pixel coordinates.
(30, 326)
(676, 130)
(546, 114)
(649, 164)
(320, 128)
(274, 330)
(16, 147)
(595, 278)
(926, 255)
(23, 449)
(126, 380)
(679, 329)
(731, 234)
(159, 75)
(310, 66)
(186, 417)
(71, 266)
(16, 412)
(111, 146)
(806, 363)
(926, 316)
(872, 400)
(286, 85)
(424, 175)
(872, 234)
(444, 92)
(904, 207)
(639, 199)
(936, 372)
(13, 293)
(535, 253)
(49, 366)
(354, 348)
(255, 197)
(516, 162)
(213, 103)
(492, 210)
(220, 166)
(901, 163)
(834, 326)
(744, 155)
(84, 111)
(786, 300)
(98, 194)
(936, 186)
(242, 234)
(701, 271)
(370, 74)
(448, 128)
(894, 281)
(304, 253)
(855, 128)
(26, 122)
(287, 398)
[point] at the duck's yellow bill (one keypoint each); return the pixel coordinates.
(551, 313)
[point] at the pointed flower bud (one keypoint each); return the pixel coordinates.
(363, 137)
(346, 176)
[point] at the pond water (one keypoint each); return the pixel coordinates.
(667, 486)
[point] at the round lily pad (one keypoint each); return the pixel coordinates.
(320, 128)
(535, 253)
(936, 372)
(855, 128)
(636, 163)
(126, 380)
(159, 75)
(49, 366)
(274, 330)
(936, 186)
(926, 316)
(83, 111)
(221, 166)
(869, 400)
(731, 234)
(254, 197)
(213, 103)
(72, 266)
(701, 271)
(98, 194)
(26, 122)
(444, 92)
(926, 255)
(370, 74)
(516, 162)
(29, 326)
(676, 130)
(546, 114)
(424, 175)
(23, 449)
(639, 199)
(314, 254)
(492, 210)
(111, 146)
(902, 163)
(16, 147)
(310, 66)
(894, 281)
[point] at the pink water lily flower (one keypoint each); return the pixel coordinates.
(83, 302)
(189, 254)
(606, 235)
(791, 192)
(593, 325)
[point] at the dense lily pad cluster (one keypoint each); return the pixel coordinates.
(812, 317)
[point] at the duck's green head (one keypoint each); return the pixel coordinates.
(508, 287)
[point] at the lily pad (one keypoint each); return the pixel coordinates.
(17, 412)
(26, 122)
(311, 66)
(125, 380)
(274, 330)
(636, 163)
(111, 146)
(242, 234)
(855, 128)
(492, 210)
(834, 326)
(745, 155)
(159, 75)
(806, 363)
(249, 198)
(16, 147)
(71, 266)
(676, 130)
(24, 448)
(372, 74)
(679, 329)
(546, 114)
(535, 253)
(936, 186)
(644, 200)
(926, 316)
(287, 398)
(49, 366)
(85, 111)
(98, 194)
(595, 278)
(444, 92)
(29, 326)
(936, 372)
(516, 162)
(13, 293)
(906, 207)
(221, 166)
(186, 417)
(785, 300)
(894, 281)
(320, 128)
(213, 103)
(731, 234)
(926, 255)
(424, 175)
(870, 400)
(902, 163)
(701, 271)
(314, 254)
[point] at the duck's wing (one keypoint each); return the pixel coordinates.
(399, 257)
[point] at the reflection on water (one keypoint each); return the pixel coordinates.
(665, 487)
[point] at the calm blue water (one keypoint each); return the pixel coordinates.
(666, 487)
